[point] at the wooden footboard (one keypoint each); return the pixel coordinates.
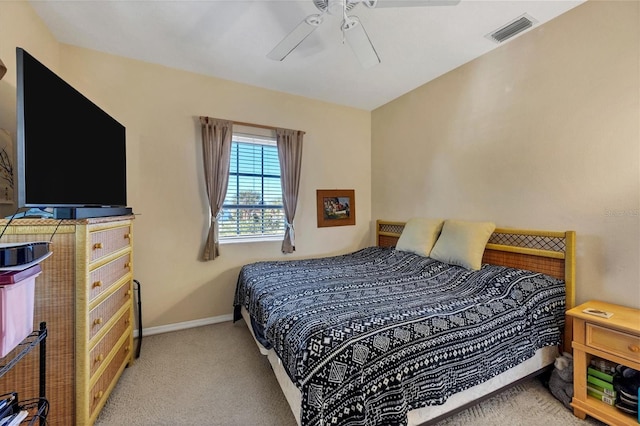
(547, 252)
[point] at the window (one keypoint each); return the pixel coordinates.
(253, 205)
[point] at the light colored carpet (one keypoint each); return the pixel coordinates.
(214, 375)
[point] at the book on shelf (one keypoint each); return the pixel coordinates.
(607, 399)
(600, 374)
(599, 382)
(609, 392)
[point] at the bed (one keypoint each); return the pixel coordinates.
(383, 336)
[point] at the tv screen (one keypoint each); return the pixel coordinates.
(70, 152)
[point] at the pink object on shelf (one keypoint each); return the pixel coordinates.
(17, 291)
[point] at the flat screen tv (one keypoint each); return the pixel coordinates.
(71, 155)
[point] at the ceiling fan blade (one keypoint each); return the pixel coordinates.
(295, 37)
(410, 3)
(360, 43)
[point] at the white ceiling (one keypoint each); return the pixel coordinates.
(230, 40)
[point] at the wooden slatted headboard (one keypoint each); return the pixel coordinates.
(548, 252)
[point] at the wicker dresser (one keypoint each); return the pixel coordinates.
(85, 295)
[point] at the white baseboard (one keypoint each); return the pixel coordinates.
(182, 325)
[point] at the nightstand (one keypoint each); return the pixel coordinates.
(616, 339)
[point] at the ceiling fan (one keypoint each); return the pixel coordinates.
(352, 29)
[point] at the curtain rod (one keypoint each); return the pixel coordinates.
(260, 126)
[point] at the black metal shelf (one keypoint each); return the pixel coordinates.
(38, 407)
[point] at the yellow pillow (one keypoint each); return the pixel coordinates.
(419, 235)
(462, 243)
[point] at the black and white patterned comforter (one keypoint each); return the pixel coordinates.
(370, 335)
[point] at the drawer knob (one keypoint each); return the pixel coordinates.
(127, 265)
(97, 246)
(99, 358)
(127, 236)
(128, 292)
(126, 348)
(126, 321)
(97, 284)
(97, 321)
(634, 348)
(98, 395)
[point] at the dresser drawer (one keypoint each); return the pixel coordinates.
(102, 349)
(108, 241)
(102, 278)
(98, 392)
(101, 314)
(615, 342)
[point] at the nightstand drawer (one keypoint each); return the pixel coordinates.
(108, 241)
(615, 342)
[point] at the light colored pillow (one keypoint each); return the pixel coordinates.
(462, 243)
(419, 235)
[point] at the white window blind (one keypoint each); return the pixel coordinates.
(253, 204)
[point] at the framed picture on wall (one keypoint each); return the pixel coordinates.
(336, 207)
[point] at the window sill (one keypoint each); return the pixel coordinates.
(251, 240)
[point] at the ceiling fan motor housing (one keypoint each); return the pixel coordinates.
(334, 7)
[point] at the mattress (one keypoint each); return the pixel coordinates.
(542, 359)
(368, 336)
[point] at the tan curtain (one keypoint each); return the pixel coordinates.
(290, 156)
(216, 149)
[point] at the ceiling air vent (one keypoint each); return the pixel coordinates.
(511, 29)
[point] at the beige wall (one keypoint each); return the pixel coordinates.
(541, 133)
(160, 107)
(20, 27)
